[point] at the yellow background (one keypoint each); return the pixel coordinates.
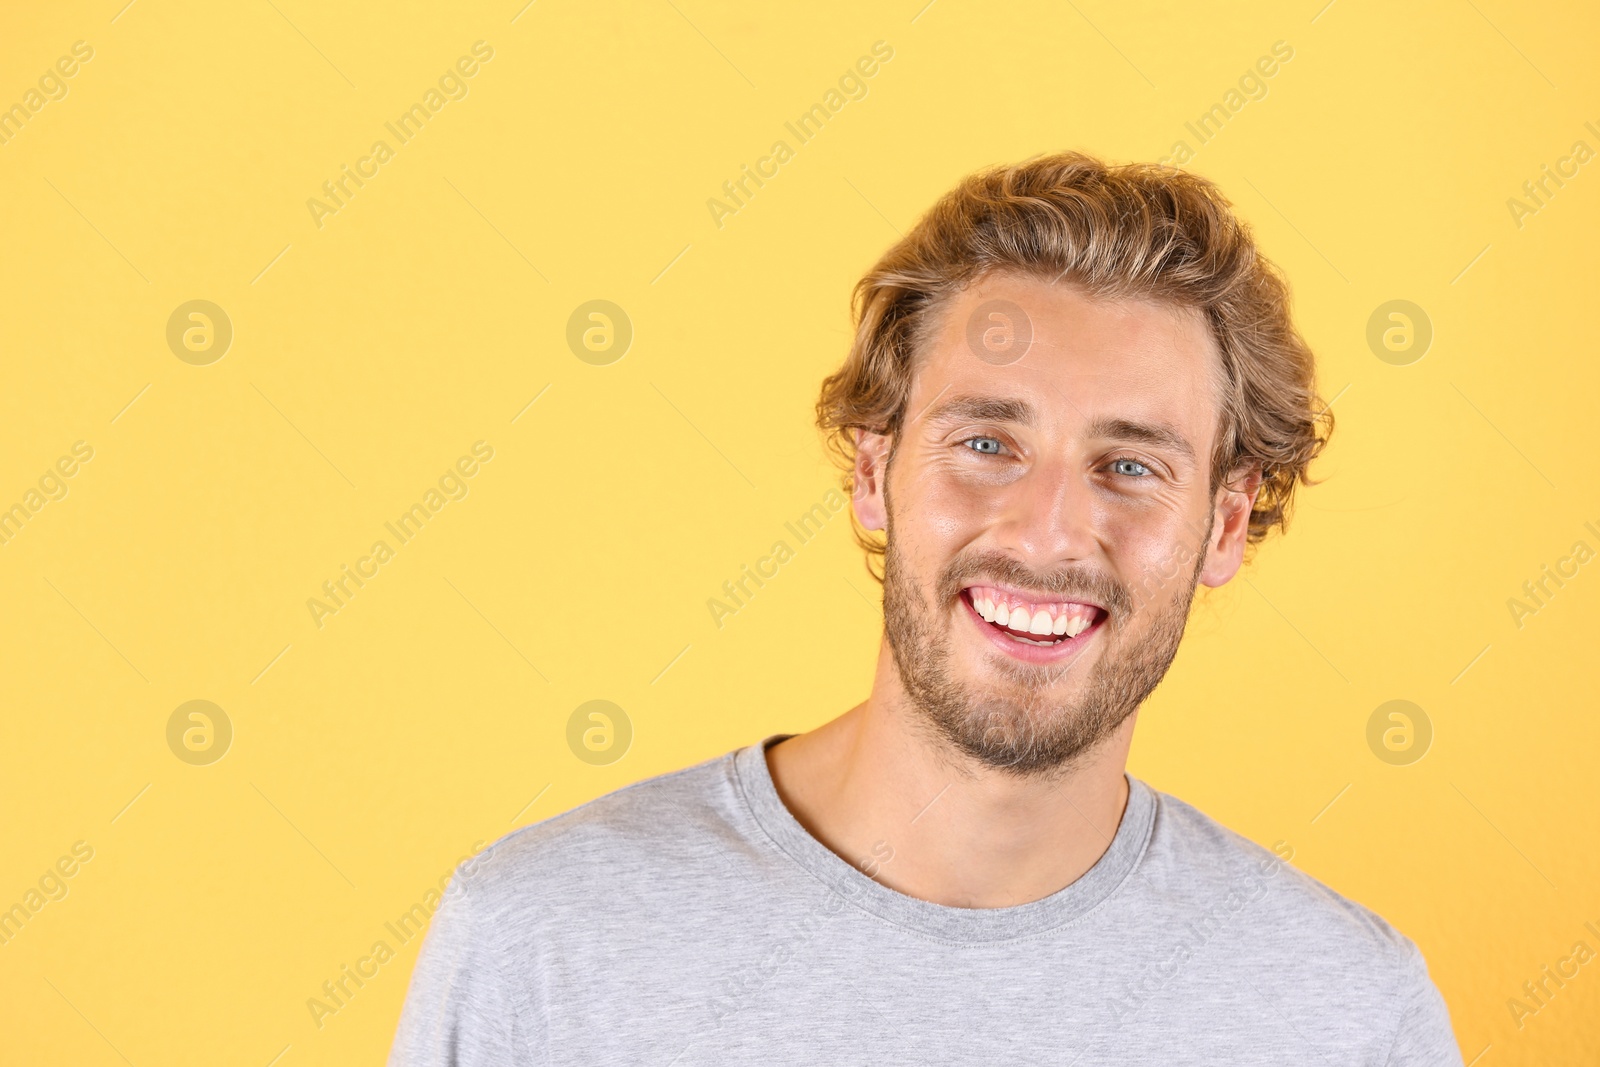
(368, 354)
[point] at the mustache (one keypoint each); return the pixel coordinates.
(1065, 583)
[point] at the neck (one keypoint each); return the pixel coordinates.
(897, 800)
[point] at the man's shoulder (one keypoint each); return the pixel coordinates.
(668, 822)
(1226, 876)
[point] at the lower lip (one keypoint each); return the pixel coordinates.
(1060, 652)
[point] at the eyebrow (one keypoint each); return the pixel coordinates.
(1021, 413)
(1154, 434)
(983, 409)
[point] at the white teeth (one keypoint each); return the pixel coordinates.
(1070, 620)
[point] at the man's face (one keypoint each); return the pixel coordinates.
(1048, 516)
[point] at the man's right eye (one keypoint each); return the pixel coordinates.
(989, 446)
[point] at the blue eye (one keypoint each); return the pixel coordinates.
(989, 446)
(1131, 467)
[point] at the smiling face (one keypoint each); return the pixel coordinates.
(1048, 516)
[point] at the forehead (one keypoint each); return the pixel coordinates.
(1073, 355)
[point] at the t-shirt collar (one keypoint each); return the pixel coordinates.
(940, 920)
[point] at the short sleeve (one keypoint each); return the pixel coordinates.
(1424, 1037)
(459, 1010)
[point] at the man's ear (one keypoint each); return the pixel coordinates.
(1230, 527)
(872, 457)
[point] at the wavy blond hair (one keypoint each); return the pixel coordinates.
(1136, 230)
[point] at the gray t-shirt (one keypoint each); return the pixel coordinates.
(690, 920)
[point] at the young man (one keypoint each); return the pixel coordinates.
(1074, 393)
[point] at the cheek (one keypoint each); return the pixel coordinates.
(932, 522)
(948, 512)
(976, 491)
(1154, 555)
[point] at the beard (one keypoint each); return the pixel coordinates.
(1022, 725)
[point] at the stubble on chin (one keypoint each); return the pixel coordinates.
(1021, 725)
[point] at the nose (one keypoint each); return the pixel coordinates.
(1049, 516)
